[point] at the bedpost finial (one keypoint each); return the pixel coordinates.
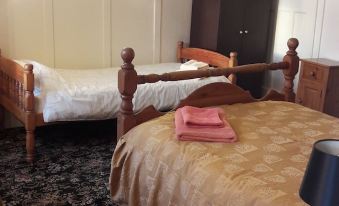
(233, 54)
(292, 44)
(180, 46)
(28, 68)
(127, 55)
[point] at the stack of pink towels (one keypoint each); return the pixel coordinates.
(203, 124)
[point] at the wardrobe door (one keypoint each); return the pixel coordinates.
(231, 26)
(257, 20)
(205, 24)
(256, 31)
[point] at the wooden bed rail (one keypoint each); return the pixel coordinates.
(128, 79)
(183, 75)
(16, 96)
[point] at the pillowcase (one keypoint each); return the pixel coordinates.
(37, 67)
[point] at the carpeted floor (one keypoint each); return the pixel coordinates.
(72, 167)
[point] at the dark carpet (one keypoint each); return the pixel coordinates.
(72, 165)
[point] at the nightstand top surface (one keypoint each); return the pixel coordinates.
(322, 61)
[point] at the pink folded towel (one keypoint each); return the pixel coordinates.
(203, 133)
(194, 116)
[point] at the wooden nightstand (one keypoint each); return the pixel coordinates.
(318, 86)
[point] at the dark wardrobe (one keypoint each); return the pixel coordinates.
(244, 26)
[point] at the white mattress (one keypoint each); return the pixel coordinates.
(70, 94)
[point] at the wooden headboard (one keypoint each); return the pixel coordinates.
(208, 95)
(214, 59)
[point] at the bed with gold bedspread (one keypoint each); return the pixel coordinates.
(265, 167)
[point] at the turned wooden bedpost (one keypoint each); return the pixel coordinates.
(127, 85)
(29, 112)
(2, 111)
(292, 59)
(233, 63)
(180, 45)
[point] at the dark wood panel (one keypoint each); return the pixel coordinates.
(244, 26)
(230, 26)
(256, 27)
(252, 83)
(205, 24)
(331, 104)
(255, 42)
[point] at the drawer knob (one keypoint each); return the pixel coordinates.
(312, 73)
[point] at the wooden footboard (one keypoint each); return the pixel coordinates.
(209, 95)
(16, 96)
(214, 59)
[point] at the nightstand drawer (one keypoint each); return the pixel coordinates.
(313, 72)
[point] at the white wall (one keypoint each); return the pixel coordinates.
(329, 40)
(314, 23)
(92, 33)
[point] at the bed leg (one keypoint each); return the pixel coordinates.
(2, 117)
(30, 115)
(30, 146)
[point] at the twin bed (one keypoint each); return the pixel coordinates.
(37, 95)
(265, 167)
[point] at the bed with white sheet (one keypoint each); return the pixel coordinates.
(77, 94)
(36, 94)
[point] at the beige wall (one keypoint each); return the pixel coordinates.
(3, 25)
(91, 33)
(314, 23)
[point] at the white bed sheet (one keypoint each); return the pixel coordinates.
(74, 94)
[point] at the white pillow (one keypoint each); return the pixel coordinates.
(37, 67)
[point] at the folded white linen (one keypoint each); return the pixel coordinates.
(45, 78)
(193, 65)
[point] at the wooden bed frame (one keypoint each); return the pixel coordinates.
(17, 85)
(208, 95)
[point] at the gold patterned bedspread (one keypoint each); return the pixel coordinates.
(265, 167)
